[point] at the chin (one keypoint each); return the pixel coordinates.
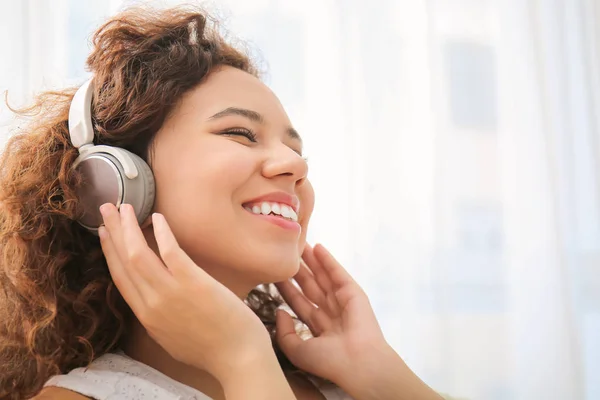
(272, 271)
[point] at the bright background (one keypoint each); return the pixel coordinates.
(455, 152)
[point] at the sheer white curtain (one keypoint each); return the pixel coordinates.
(454, 149)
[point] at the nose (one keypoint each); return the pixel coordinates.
(282, 161)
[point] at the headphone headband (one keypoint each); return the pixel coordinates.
(109, 174)
(81, 130)
(80, 116)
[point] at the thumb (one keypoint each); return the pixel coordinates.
(287, 337)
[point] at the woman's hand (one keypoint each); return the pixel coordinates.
(335, 309)
(348, 347)
(191, 315)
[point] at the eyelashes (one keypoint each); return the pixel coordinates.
(251, 136)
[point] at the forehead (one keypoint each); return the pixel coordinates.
(230, 87)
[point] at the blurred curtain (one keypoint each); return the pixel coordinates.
(454, 149)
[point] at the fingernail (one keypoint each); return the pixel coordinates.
(157, 220)
(104, 209)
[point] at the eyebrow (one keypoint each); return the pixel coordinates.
(252, 116)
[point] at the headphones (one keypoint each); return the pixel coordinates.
(110, 174)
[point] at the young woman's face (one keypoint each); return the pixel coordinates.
(225, 162)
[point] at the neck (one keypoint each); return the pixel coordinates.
(141, 347)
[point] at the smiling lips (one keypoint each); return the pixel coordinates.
(272, 208)
(278, 207)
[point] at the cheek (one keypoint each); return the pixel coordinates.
(199, 187)
(199, 191)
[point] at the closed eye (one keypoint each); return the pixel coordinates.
(251, 136)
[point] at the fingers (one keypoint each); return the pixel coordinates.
(337, 275)
(112, 222)
(117, 270)
(345, 287)
(317, 270)
(144, 266)
(330, 303)
(309, 286)
(316, 319)
(136, 270)
(176, 260)
(286, 336)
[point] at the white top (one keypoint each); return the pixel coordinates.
(115, 376)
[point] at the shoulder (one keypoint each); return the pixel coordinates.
(58, 393)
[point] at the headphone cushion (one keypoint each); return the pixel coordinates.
(139, 192)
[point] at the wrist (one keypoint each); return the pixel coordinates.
(366, 366)
(256, 376)
(382, 374)
(237, 360)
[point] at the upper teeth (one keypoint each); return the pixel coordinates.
(266, 208)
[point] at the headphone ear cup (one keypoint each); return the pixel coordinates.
(140, 192)
(104, 181)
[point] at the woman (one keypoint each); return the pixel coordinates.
(158, 308)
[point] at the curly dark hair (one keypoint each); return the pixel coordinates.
(59, 309)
